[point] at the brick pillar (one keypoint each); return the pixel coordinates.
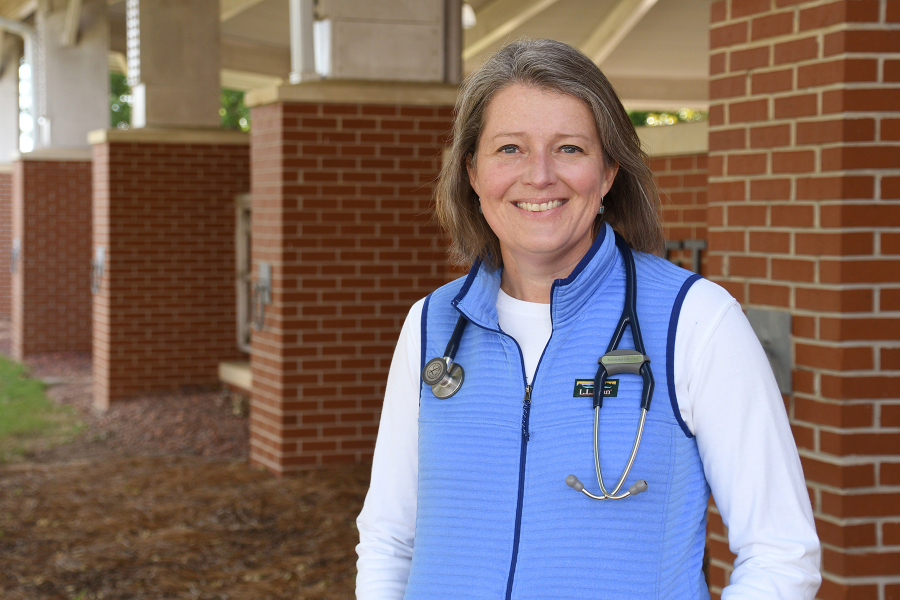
(164, 210)
(6, 238)
(342, 211)
(682, 188)
(51, 202)
(679, 155)
(804, 217)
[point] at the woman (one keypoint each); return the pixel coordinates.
(546, 189)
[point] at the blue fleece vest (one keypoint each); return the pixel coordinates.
(495, 518)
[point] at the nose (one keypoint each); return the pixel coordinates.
(539, 171)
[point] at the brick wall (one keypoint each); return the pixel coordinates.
(51, 288)
(6, 238)
(682, 182)
(804, 216)
(342, 198)
(166, 312)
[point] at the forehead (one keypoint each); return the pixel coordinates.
(521, 108)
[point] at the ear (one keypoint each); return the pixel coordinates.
(472, 172)
(609, 175)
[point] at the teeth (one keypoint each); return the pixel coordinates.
(539, 207)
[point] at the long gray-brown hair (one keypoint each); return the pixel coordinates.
(632, 204)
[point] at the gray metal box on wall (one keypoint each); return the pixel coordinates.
(773, 328)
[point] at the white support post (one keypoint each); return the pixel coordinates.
(452, 41)
(9, 98)
(303, 59)
(27, 34)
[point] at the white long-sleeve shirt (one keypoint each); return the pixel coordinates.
(728, 399)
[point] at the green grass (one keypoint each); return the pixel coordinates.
(28, 419)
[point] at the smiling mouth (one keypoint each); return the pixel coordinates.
(539, 207)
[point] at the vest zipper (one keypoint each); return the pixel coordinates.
(526, 411)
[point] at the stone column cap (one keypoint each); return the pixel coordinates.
(672, 140)
(54, 154)
(153, 135)
(357, 92)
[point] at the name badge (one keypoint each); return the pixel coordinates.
(584, 388)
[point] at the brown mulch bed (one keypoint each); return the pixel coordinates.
(155, 499)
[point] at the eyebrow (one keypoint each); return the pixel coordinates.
(521, 133)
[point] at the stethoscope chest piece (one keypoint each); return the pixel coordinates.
(444, 377)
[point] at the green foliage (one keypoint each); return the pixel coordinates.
(234, 113)
(648, 118)
(27, 417)
(119, 101)
(638, 117)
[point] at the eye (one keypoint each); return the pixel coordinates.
(508, 149)
(571, 149)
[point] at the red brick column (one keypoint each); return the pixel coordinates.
(682, 182)
(51, 202)
(6, 238)
(804, 216)
(341, 200)
(164, 210)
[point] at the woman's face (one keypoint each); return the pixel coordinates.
(540, 175)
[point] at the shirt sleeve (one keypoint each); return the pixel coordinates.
(387, 522)
(728, 398)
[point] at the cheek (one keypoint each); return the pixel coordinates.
(587, 183)
(495, 180)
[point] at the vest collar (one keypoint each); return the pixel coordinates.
(477, 299)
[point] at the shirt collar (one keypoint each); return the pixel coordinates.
(477, 299)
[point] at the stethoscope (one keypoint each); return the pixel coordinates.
(446, 378)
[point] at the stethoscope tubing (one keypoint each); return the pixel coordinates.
(634, 448)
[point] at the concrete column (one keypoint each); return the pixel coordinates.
(385, 41)
(174, 62)
(72, 73)
(165, 196)
(804, 225)
(52, 185)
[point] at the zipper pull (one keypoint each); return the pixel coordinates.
(526, 401)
